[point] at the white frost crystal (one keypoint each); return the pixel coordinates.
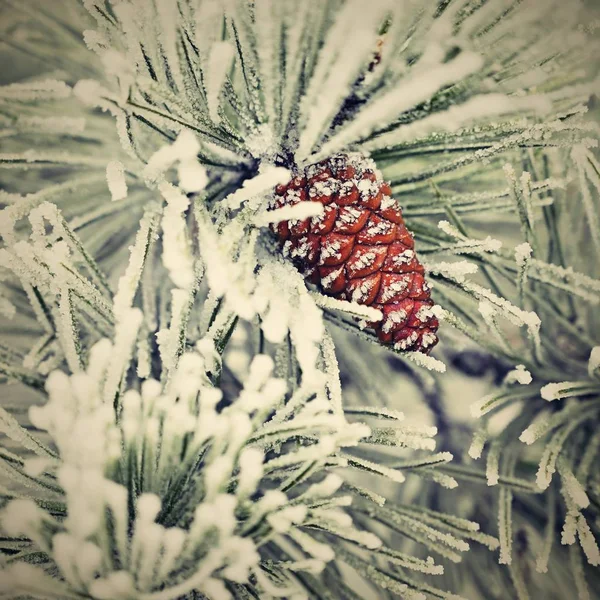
(115, 176)
(594, 361)
(177, 255)
(522, 253)
(518, 375)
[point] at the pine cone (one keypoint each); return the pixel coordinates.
(359, 249)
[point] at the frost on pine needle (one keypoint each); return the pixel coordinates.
(457, 116)
(351, 308)
(129, 281)
(523, 254)
(429, 362)
(564, 379)
(263, 182)
(35, 90)
(177, 253)
(594, 361)
(219, 63)
(477, 445)
(587, 168)
(298, 212)
(457, 270)
(466, 245)
(115, 177)
(567, 389)
(518, 375)
(319, 105)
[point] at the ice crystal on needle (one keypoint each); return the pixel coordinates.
(192, 434)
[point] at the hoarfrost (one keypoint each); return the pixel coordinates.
(523, 253)
(219, 64)
(352, 308)
(191, 175)
(35, 90)
(129, 281)
(594, 361)
(456, 270)
(565, 389)
(420, 87)
(572, 486)
(175, 73)
(339, 64)
(477, 445)
(300, 211)
(460, 115)
(71, 126)
(115, 177)
(185, 149)
(428, 362)
(177, 254)
(518, 375)
(263, 182)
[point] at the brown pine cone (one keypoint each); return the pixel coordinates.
(359, 249)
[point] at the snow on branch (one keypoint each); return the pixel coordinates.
(258, 185)
(129, 281)
(48, 89)
(340, 61)
(465, 244)
(115, 177)
(352, 308)
(454, 118)
(419, 87)
(177, 253)
(299, 212)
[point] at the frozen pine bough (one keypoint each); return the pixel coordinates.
(169, 469)
(440, 97)
(138, 168)
(153, 492)
(538, 429)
